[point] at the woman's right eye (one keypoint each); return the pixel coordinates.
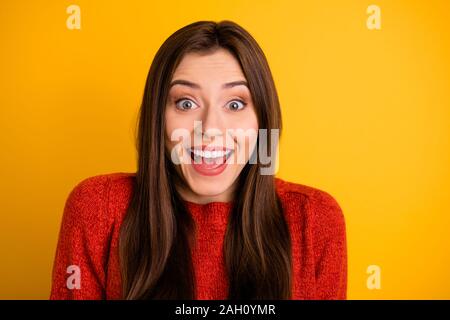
(185, 104)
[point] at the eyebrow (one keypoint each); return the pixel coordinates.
(197, 86)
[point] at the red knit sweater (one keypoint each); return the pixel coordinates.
(94, 210)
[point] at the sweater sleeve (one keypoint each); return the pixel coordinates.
(82, 248)
(330, 247)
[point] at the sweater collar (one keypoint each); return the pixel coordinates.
(212, 212)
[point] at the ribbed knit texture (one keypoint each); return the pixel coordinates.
(94, 211)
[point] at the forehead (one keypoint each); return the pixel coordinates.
(218, 66)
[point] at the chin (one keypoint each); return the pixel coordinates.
(207, 189)
(210, 186)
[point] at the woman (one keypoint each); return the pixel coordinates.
(201, 219)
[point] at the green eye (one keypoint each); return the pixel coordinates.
(236, 105)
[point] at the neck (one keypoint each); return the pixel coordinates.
(188, 195)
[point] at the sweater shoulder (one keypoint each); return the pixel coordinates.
(322, 206)
(99, 197)
(91, 188)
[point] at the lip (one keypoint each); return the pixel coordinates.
(210, 168)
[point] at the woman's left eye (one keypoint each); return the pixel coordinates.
(236, 105)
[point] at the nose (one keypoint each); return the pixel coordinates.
(211, 123)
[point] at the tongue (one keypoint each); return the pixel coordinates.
(208, 166)
(214, 160)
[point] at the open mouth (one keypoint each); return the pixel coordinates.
(210, 156)
(210, 160)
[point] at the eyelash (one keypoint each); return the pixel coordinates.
(186, 98)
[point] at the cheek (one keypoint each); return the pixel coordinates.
(176, 120)
(251, 122)
(251, 119)
(177, 129)
(171, 126)
(245, 120)
(247, 138)
(168, 129)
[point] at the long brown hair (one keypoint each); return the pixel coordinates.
(157, 233)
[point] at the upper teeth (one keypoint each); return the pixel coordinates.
(210, 154)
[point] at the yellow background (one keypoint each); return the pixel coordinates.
(366, 117)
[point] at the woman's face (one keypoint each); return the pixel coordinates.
(211, 125)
